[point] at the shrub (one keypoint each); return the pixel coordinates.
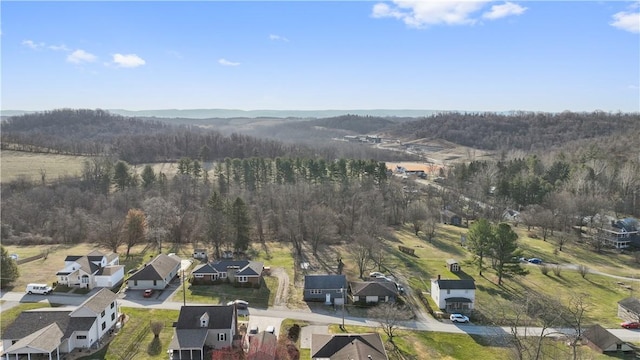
(583, 270)
(544, 269)
(557, 270)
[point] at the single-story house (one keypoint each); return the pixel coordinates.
(203, 327)
(328, 288)
(373, 291)
(347, 346)
(449, 217)
(242, 272)
(92, 270)
(263, 346)
(52, 332)
(454, 296)
(601, 340)
(629, 309)
(453, 265)
(156, 274)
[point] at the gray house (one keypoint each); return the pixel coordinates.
(156, 274)
(601, 340)
(629, 309)
(347, 346)
(331, 289)
(373, 291)
(240, 272)
(203, 327)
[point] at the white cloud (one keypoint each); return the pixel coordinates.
(31, 44)
(58, 48)
(278, 37)
(420, 13)
(506, 9)
(80, 56)
(627, 21)
(128, 60)
(226, 62)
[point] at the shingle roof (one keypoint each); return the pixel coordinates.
(220, 316)
(348, 346)
(109, 270)
(631, 303)
(263, 346)
(31, 321)
(157, 269)
(325, 281)
(456, 284)
(188, 338)
(601, 337)
(99, 301)
(46, 340)
(373, 288)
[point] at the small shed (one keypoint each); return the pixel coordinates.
(453, 265)
(449, 217)
(601, 340)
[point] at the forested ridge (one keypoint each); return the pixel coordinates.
(523, 130)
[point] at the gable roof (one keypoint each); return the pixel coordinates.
(220, 316)
(601, 337)
(98, 302)
(373, 288)
(188, 338)
(46, 339)
(263, 346)
(157, 269)
(456, 284)
(631, 304)
(31, 321)
(325, 281)
(245, 267)
(109, 270)
(348, 346)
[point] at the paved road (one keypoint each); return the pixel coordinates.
(319, 317)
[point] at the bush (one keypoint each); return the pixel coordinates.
(557, 270)
(544, 269)
(583, 270)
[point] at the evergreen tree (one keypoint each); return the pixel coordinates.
(148, 177)
(217, 228)
(240, 225)
(504, 249)
(480, 239)
(9, 268)
(121, 175)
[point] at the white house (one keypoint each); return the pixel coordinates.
(203, 326)
(52, 332)
(92, 270)
(156, 274)
(454, 296)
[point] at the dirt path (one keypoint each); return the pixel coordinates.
(283, 287)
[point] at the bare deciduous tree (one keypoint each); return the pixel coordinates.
(390, 317)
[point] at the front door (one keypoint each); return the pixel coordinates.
(327, 298)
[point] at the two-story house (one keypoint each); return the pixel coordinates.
(454, 296)
(52, 332)
(202, 327)
(92, 270)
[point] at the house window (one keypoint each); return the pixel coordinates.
(102, 314)
(242, 279)
(198, 276)
(448, 291)
(104, 325)
(113, 316)
(81, 337)
(155, 282)
(135, 282)
(223, 275)
(222, 337)
(316, 291)
(113, 304)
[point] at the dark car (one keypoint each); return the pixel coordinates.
(148, 293)
(535, 261)
(630, 325)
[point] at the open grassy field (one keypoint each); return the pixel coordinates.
(25, 165)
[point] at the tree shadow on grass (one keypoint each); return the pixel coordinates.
(155, 347)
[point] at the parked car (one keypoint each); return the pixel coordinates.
(42, 289)
(240, 304)
(271, 329)
(148, 293)
(630, 325)
(535, 261)
(253, 330)
(15, 257)
(376, 274)
(459, 318)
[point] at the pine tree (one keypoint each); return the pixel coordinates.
(480, 239)
(240, 225)
(8, 267)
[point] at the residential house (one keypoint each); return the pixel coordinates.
(156, 274)
(601, 340)
(629, 309)
(373, 291)
(620, 234)
(203, 328)
(52, 332)
(328, 288)
(347, 346)
(241, 272)
(92, 270)
(449, 217)
(454, 296)
(453, 265)
(262, 346)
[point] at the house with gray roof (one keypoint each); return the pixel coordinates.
(328, 288)
(373, 291)
(602, 340)
(239, 272)
(347, 346)
(629, 309)
(92, 270)
(454, 296)
(156, 274)
(53, 332)
(200, 328)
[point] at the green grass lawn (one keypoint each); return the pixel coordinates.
(220, 294)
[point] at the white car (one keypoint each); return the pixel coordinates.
(459, 318)
(240, 304)
(376, 274)
(271, 329)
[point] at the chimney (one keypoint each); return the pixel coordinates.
(438, 277)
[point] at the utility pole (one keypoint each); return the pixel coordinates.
(184, 291)
(342, 291)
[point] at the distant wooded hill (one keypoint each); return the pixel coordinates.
(525, 131)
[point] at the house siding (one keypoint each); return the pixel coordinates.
(441, 295)
(626, 314)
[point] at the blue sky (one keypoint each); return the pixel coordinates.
(303, 55)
